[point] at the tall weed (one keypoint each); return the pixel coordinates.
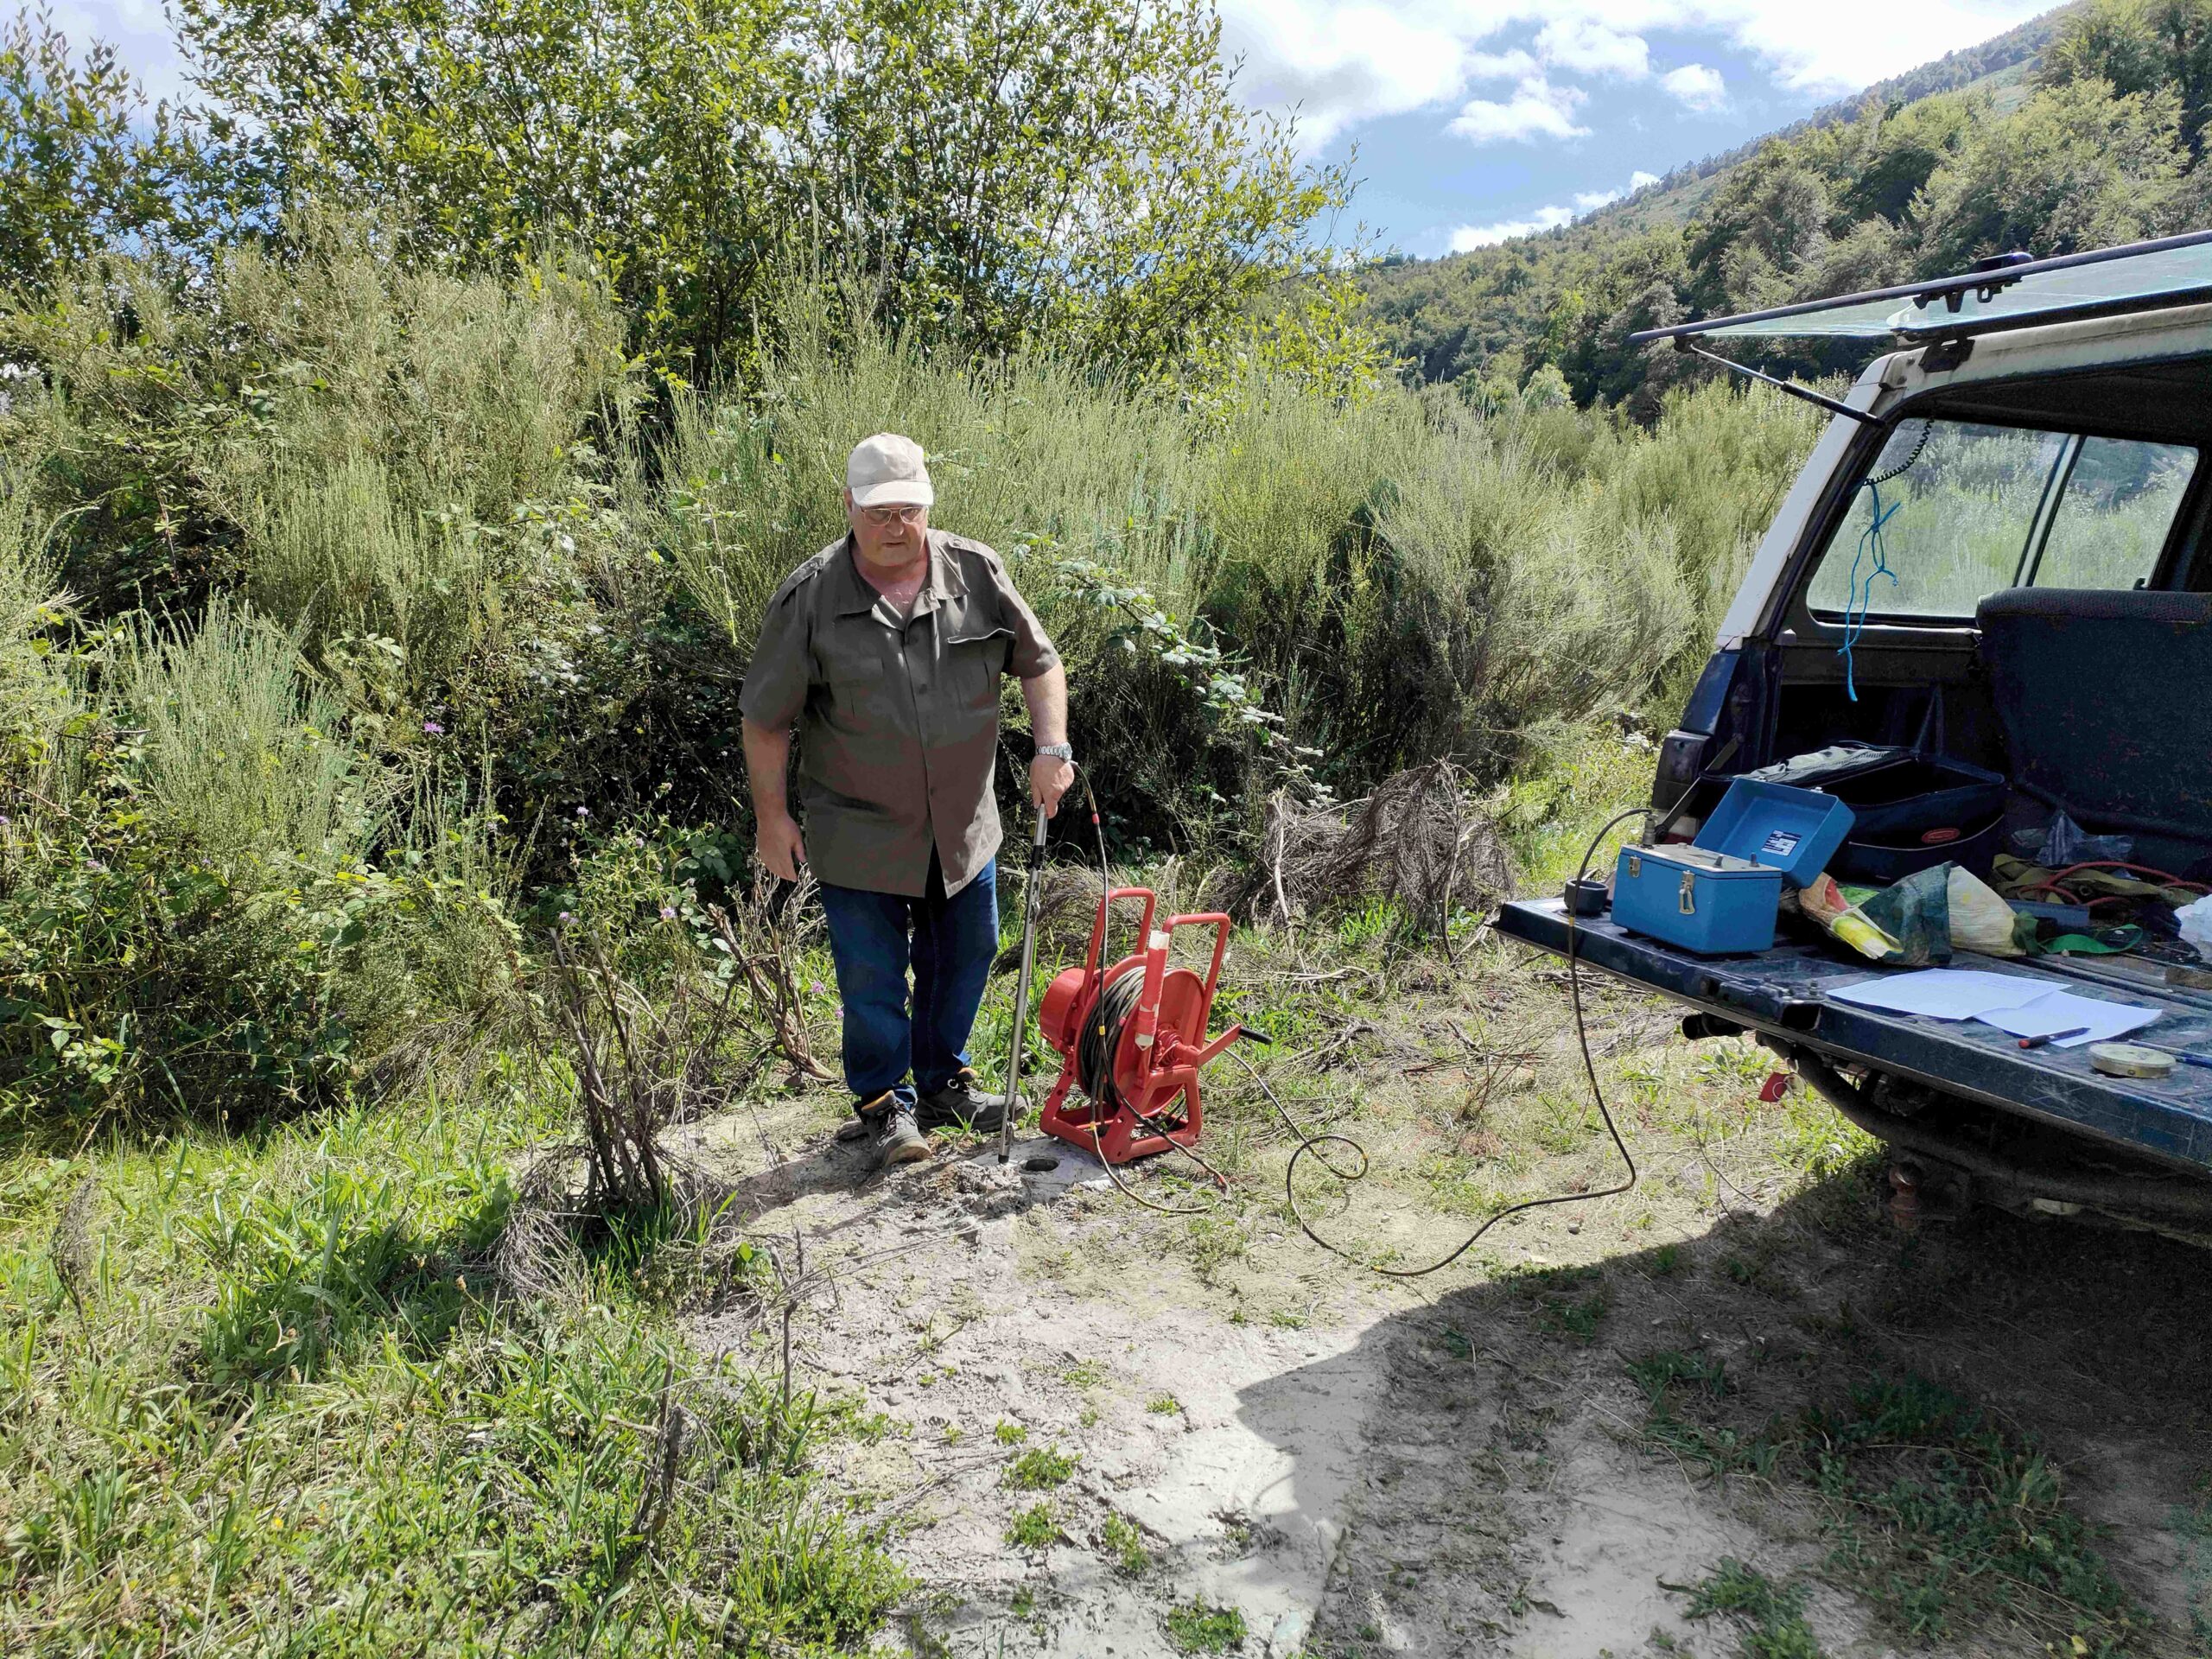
(1404, 577)
(232, 758)
(207, 900)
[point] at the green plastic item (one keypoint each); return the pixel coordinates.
(2105, 942)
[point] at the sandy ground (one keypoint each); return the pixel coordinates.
(1434, 1466)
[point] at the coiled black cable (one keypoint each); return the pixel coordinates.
(1102, 1038)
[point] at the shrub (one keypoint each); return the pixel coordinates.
(1397, 577)
(198, 902)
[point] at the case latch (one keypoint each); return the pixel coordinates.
(1689, 892)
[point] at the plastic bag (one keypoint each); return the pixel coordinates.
(1917, 913)
(2066, 843)
(1980, 919)
(2195, 921)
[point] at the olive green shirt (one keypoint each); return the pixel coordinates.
(898, 719)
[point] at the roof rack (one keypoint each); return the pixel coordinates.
(2011, 290)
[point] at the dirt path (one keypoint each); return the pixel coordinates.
(1337, 1465)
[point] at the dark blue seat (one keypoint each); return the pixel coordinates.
(2105, 701)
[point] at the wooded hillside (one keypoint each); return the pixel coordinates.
(2081, 129)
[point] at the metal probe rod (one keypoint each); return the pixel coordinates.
(1021, 993)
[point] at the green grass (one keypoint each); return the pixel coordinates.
(1010, 1434)
(2193, 1525)
(1124, 1540)
(1569, 1302)
(1577, 1318)
(1084, 1374)
(1163, 1405)
(1193, 1627)
(1034, 1528)
(1770, 1618)
(296, 1415)
(1945, 1521)
(1040, 1469)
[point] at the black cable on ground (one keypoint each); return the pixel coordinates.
(1313, 1144)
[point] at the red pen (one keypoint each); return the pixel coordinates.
(2053, 1037)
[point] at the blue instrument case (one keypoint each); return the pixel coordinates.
(1719, 895)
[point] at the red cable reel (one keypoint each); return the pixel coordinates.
(1132, 1038)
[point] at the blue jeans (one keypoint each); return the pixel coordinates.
(949, 943)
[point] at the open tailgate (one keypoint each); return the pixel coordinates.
(1783, 991)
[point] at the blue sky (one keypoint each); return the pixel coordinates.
(1475, 119)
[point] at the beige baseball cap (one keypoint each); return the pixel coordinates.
(888, 471)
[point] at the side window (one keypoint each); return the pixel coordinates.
(1966, 509)
(2110, 524)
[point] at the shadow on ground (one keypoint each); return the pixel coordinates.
(1510, 1495)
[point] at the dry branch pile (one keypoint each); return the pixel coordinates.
(1416, 840)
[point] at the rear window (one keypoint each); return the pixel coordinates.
(1950, 511)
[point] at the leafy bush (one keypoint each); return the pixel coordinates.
(199, 900)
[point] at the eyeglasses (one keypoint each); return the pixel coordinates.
(884, 518)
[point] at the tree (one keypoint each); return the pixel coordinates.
(83, 164)
(1764, 224)
(995, 172)
(2074, 167)
(2141, 46)
(484, 131)
(1904, 149)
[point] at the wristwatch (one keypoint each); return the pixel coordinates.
(1058, 751)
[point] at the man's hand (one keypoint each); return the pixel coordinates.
(1049, 777)
(778, 847)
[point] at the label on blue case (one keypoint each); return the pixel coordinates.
(1780, 843)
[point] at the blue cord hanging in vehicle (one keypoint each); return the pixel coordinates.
(1862, 599)
(1859, 601)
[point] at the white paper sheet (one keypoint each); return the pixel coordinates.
(1945, 993)
(2063, 1011)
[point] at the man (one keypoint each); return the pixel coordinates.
(887, 648)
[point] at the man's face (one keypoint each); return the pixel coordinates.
(891, 536)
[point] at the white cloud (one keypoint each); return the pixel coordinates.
(1347, 61)
(1498, 66)
(1589, 47)
(1697, 86)
(1337, 62)
(1536, 109)
(1466, 238)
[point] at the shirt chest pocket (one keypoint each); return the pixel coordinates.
(856, 700)
(974, 651)
(977, 652)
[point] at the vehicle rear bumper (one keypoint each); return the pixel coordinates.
(1782, 992)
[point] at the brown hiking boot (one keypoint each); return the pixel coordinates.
(888, 1126)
